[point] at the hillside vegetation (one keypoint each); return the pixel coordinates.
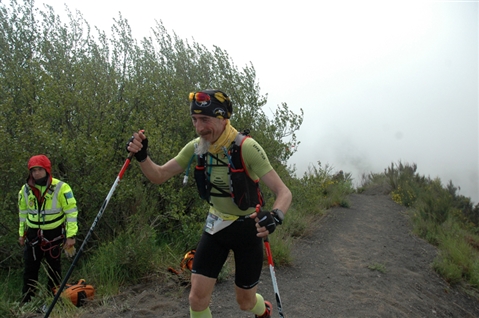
(77, 95)
(441, 216)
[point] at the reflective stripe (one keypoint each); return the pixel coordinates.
(25, 195)
(24, 211)
(71, 219)
(23, 219)
(55, 198)
(49, 211)
(71, 211)
(46, 222)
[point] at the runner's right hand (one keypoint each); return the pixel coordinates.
(138, 144)
(266, 219)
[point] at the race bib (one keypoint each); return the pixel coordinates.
(214, 223)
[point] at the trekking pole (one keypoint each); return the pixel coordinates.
(87, 237)
(271, 270)
(273, 277)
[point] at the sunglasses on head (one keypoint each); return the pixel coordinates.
(199, 97)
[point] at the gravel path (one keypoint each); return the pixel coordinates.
(360, 261)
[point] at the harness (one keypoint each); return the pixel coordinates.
(46, 245)
(43, 243)
(243, 190)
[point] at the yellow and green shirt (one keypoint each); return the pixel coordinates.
(256, 163)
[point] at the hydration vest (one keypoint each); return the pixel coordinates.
(244, 191)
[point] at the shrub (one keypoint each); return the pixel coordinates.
(132, 256)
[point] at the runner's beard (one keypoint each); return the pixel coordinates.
(202, 147)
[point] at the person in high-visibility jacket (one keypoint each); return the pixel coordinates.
(48, 220)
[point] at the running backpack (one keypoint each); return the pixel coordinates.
(244, 191)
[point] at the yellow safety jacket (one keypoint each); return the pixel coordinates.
(58, 208)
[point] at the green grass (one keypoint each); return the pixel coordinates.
(11, 295)
(10, 291)
(378, 267)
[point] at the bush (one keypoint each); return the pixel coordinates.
(131, 257)
(457, 260)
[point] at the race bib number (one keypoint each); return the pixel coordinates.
(214, 223)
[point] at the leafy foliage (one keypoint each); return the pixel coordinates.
(76, 96)
(430, 197)
(317, 190)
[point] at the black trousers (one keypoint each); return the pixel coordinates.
(37, 248)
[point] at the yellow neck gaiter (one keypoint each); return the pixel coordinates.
(225, 140)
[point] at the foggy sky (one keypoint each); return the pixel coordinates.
(416, 104)
(380, 82)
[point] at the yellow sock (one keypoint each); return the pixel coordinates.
(201, 314)
(260, 307)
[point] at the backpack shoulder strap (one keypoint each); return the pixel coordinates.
(235, 151)
(241, 136)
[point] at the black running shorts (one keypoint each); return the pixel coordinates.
(240, 237)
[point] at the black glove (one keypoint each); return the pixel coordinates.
(267, 220)
(142, 154)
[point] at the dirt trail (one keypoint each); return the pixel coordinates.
(360, 261)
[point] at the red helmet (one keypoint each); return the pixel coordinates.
(40, 161)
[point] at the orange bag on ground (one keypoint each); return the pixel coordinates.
(78, 293)
(186, 263)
